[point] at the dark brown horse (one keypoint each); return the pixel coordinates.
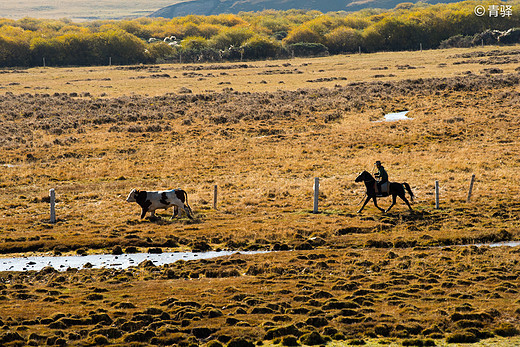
(396, 189)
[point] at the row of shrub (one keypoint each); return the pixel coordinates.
(266, 34)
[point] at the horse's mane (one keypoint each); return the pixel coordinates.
(368, 173)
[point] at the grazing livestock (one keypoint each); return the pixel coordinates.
(151, 201)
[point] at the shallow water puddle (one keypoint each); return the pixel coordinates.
(392, 117)
(122, 261)
(499, 244)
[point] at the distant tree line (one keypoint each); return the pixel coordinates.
(246, 36)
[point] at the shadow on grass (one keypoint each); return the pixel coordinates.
(158, 220)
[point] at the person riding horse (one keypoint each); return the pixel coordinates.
(382, 175)
(394, 189)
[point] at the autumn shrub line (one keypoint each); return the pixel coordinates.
(260, 35)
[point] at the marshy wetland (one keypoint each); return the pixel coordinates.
(261, 132)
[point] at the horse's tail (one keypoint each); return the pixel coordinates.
(407, 187)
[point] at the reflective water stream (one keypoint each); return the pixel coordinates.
(122, 261)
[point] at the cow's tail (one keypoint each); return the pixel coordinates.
(190, 212)
(409, 190)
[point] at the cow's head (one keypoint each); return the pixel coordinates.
(132, 196)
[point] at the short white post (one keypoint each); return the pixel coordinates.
(359, 49)
(420, 45)
(109, 61)
(215, 191)
(316, 194)
(43, 61)
(436, 194)
(471, 187)
(52, 195)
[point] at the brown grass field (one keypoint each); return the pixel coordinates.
(261, 131)
(77, 11)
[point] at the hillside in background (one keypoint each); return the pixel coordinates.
(215, 7)
(80, 11)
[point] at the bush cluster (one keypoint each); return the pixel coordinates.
(248, 35)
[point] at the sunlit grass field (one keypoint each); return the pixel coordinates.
(261, 132)
(79, 10)
(255, 76)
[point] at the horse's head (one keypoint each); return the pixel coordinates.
(364, 176)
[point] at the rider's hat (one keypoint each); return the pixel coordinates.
(378, 162)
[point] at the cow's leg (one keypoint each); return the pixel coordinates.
(143, 212)
(175, 211)
(187, 209)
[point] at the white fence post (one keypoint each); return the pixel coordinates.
(436, 194)
(52, 195)
(215, 192)
(316, 194)
(471, 187)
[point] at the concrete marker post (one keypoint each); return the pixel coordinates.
(470, 187)
(437, 194)
(316, 194)
(215, 193)
(52, 195)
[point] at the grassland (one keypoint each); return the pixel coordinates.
(262, 131)
(80, 10)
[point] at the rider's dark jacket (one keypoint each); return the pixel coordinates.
(382, 175)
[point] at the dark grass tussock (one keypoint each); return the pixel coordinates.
(239, 106)
(415, 278)
(321, 311)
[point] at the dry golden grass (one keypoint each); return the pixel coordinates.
(259, 76)
(263, 144)
(80, 11)
(395, 295)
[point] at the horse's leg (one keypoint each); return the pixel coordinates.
(407, 187)
(362, 207)
(406, 200)
(394, 198)
(375, 204)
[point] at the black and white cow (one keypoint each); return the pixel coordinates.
(151, 201)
